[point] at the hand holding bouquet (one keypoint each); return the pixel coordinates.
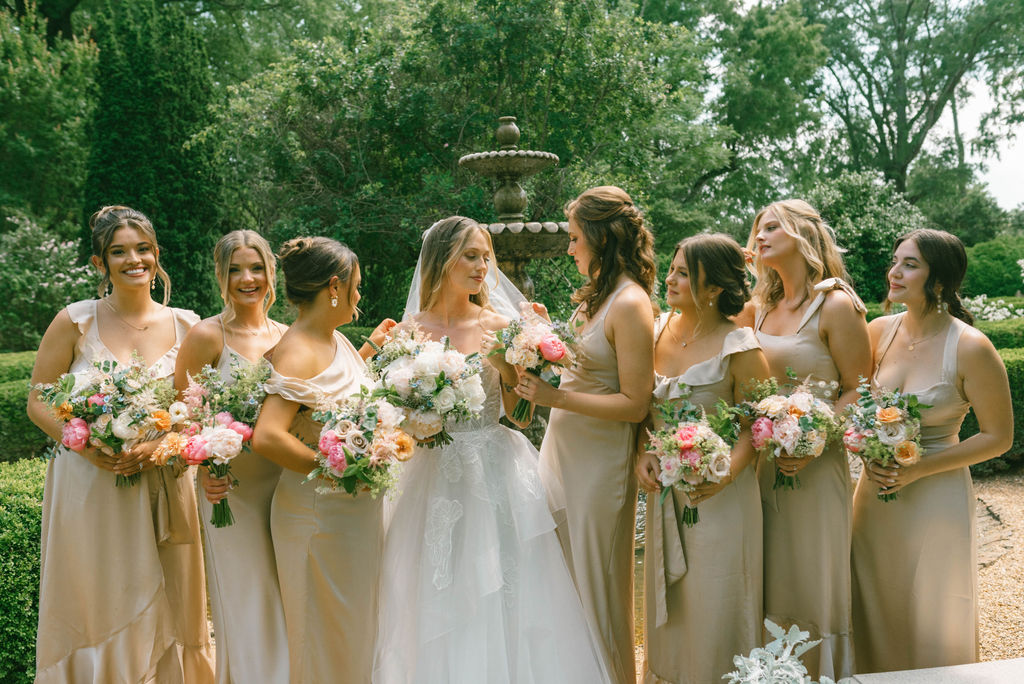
(430, 383)
(360, 443)
(884, 426)
(693, 448)
(797, 425)
(113, 407)
(540, 346)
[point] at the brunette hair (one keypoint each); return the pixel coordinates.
(616, 236)
(721, 261)
(309, 263)
(947, 264)
(105, 222)
(225, 249)
(443, 244)
(815, 240)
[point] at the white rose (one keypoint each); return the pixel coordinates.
(771, 406)
(388, 417)
(473, 390)
(452, 363)
(444, 401)
(123, 429)
(178, 411)
(400, 380)
(356, 441)
(427, 364)
(423, 425)
(891, 434)
(718, 468)
(224, 443)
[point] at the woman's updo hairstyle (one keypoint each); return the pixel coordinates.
(225, 249)
(105, 222)
(443, 244)
(947, 264)
(309, 263)
(815, 240)
(616, 236)
(720, 259)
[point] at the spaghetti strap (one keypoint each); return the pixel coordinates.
(223, 331)
(956, 329)
(887, 337)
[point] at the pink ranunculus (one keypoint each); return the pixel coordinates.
(691, 457)
(336, 460)
(196, 450)
(853, 440)
(241, 428)
(224, 418)
(97, 400)
(75, 434)
(329, 439)
(761, 432)
(551, 348)
(686, 436)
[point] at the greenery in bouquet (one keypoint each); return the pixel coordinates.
(778, 662)
(112, 407)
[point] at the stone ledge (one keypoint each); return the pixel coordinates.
(994, 672)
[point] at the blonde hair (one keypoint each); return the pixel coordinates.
(105, 222)
(443, 244)
(309, 263)
(815, 242)
(222, 253)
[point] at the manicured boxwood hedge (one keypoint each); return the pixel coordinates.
(16, 365)
(21, 495)
(1014, 360)
(19, 437)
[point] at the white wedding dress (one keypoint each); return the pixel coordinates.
(474, 586)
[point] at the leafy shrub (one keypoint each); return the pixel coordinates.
(16, 366)
(19, 437)
(1014, 360)
(992, 267)
(21, 495)
(38, 276)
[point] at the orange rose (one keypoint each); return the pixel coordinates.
(405, 446)
(889, 414)
(795, 411)
(907, 453)
(64, 411)
(168, 448)
(161, 420)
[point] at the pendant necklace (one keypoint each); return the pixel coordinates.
(122, 318)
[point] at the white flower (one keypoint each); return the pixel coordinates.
(178, 411)
(802, 401)
(427, 364)
(388, 416)
(444, 401)
(423, 425)
(224, 443)
(399, 378)
(123, 429)
(356, 441)
(452, 363)
(771, 406)
(891, 434)
(473, 389)
(787, 433)
(815, 441)
(718, 467)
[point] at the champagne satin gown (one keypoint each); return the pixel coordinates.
(915, 558)
(703, 597)
(328, 546)
(122, 596)
(241, 570)
(807, 530)
(592, 461)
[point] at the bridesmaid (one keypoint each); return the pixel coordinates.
(591, 437)
(703, 583)
(328, 546)
(914, 558)
(121, 591)
(245, 599)
(810, 321)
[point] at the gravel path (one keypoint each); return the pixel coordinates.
(1001, 566)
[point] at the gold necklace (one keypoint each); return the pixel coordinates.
(693, 339)
(123, 320)
(914, 343)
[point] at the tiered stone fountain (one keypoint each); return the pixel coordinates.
(517, 241)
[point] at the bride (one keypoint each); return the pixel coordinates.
(474, 587)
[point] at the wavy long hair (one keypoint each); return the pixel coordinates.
(614, 231)
(947, 265)
(225, 249)
(105, 222)
(443, 244)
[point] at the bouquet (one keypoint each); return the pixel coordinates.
(540, 346)
(693, 448)
(430, 383)
(778, 662)
(797, 425)
(360, 443)
(221, 415)
(885, 426)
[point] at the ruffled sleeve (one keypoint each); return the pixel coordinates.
(294, 389)
(830, 284)
(339, 380)
(83, 314)
(706, 372)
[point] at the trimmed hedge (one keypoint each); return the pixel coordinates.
(19, 437)
(21, 495)
(16, 365)
(1014, 361)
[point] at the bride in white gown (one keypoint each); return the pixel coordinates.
(474, 586)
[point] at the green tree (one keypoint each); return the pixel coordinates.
(896, 65)
(46, 99)
(155, 90)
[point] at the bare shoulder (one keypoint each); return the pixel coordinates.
(632, 304)
(205, 332)
(839, 304)
(295, 356)
(975, 348)
(492, 320)
(746, 317)
(878, 325)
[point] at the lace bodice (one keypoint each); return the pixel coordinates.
(492, 404)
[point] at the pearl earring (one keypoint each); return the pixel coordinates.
(711, 303)
(334, 302)
(152, 284)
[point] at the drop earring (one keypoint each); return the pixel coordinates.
(152, 284)
(334, 302)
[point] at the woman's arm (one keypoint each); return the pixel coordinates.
(377, 337)
(272, 439)
(848, 341)
(202, 345)
(988, 390)
(630, 322)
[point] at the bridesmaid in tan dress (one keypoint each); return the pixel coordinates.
(914, 558)
(809, 321)
(328, 546)
(591, 437)
(241, 573)
(121, 590)
(703, 583)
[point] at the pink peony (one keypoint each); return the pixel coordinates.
(686, 436)
(327, 440)
(691, 457)
(336, 460)
(96, 400)
(196, 450)
(853, 440)
(224, 418)
(75, 434)
(761, 432)
(241, 428)
(551, 348)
